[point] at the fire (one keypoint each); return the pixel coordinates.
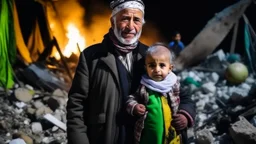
(75, 42)
(73, 33)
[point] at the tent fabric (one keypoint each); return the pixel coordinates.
(21, 46)
(7, 44)
(249, 42)
(32, 28)
(44, 24)
(35, 42)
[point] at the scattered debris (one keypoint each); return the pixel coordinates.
(24, 116)
(219, 101)
(226, 111)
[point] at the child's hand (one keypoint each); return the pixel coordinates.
(179, 122)
(139, 110)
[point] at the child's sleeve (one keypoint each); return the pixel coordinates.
(187, 106)
(132, 101)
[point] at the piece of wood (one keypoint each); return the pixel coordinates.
(63, 58)
(233, 43)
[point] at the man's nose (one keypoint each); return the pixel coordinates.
(130, 24)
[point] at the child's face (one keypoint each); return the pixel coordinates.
(158, 66)
(177, 37)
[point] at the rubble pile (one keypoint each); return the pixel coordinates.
(219, 103)
(34, 110)
(32, 116)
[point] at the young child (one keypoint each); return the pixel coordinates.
(176, 45)
(162, 113)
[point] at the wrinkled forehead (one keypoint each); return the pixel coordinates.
(131, 11)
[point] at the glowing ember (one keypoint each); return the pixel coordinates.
(74, 40)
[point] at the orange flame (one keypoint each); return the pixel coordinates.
(75, 42)
(73, 35)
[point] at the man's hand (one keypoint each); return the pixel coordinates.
(179, 122)
(139, 110)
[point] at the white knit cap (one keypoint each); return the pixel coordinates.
(122, 4)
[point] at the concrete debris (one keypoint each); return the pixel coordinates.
(31, 115)
(22, 116)
(217, 101)
(55, 121)
(204, 137)
(23, 94)
(36, 127)
(243, 132)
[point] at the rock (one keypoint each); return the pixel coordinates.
(26, 121)
(214, 77)
(209, 87)
(204, 137)
(53, 104)
(29, 87)
(61, 100)
(47, 139)
(46, 98)
(242, 132)
(55, 128)
(42, 111)
(3, 125)
(38, 104)
(31, 111)
(60, 93)
(37, 128)
(23, 95)
(20, 104)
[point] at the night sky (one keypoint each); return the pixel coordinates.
(189, 17)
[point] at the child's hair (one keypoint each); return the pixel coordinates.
(174, 33)
(153, 48)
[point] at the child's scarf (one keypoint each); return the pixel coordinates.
(163, 86)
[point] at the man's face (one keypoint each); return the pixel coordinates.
(158, 66)
(127, 25)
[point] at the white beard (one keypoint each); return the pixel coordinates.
(123, 40)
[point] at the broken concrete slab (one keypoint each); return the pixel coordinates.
(242, 132)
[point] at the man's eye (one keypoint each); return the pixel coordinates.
(137, 20)
(125, 18)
